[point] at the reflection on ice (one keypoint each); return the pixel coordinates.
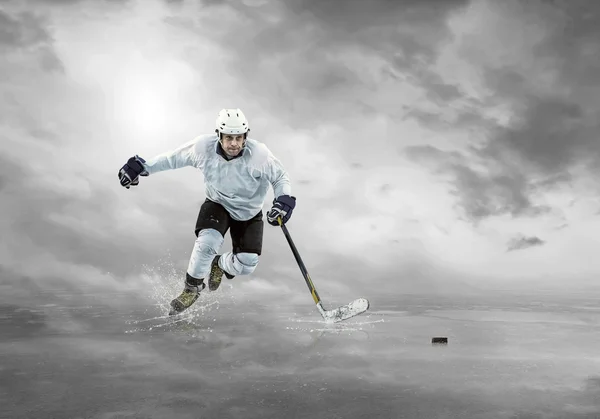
(504, 358)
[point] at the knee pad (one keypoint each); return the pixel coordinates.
(209, 240)
(247, 261)
(206, 246)
(240, 263)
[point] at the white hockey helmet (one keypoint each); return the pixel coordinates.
(231, 121)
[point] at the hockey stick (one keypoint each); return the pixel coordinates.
(344, 312)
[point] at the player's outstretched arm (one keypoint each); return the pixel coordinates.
(188, 154)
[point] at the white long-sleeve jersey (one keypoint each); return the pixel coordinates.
(239, 184)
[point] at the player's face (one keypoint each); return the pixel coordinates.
(232, 144)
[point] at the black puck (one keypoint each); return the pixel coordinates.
(439, 340)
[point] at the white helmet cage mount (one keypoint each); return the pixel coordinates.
(232, 122)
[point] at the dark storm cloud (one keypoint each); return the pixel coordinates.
(355, 15)
(481, 193)
(574, 38)
(484, 195)
(520, 243)
(24, 36)
(551, 132)
(62, 3)
(545, 146)
(567, 123)
(441, 92)
(550, 136)
(10, 172)
(325, 53)
(22, 30)
(437, 120)
(553, 128)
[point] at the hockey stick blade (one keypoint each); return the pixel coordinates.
(356, 307)
(345, 312)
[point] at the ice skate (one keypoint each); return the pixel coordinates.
(216, 274)
(188, 296)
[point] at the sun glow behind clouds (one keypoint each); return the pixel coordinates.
(145, 94)
(137, 68)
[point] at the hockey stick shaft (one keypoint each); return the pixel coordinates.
(301, 265)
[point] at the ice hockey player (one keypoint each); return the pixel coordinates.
(237, 172)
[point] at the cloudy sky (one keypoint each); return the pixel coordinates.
(428, 142)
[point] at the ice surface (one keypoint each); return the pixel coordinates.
(233, 355)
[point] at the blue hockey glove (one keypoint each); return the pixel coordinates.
(129, 173)
(282, 206)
